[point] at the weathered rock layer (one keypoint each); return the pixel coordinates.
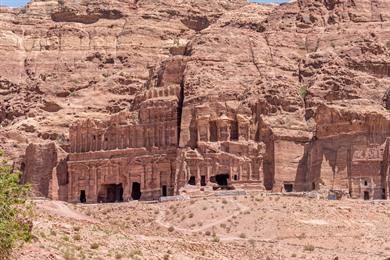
(284, 97)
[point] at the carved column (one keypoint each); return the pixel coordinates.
(197, 174)
(230, 169)
(163, 134)
(78, 140)
(208, 174)
(70, 184)
(250, 171)
(94, 177)
(87, 141)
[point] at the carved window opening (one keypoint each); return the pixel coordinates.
(234, 131)
(213, 132)
(235, 177)
(365, 183)
(202, 180)
(288, 187)
(192, 180)
(136, 191)
(83, 197)
(366, 195)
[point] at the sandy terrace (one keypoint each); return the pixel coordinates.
(256, 226)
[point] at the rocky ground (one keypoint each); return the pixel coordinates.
(256, 226)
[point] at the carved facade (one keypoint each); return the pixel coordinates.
(133, 156)
(349, 153)
(221, 151)
(164, 144)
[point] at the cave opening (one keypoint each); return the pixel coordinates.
(222, 179)
(83, 197)
(136, 191)
(114, 193)
(164, 191)
(366, 195)
(192, 181)
(202, 180)
(288, 187)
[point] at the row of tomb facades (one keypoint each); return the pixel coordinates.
(139, 155)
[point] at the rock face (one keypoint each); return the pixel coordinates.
(45, 168)
(290, 97)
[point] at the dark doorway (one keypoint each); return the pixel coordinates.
(202, 180)
(313, 186)
(119, 193)
(288, 187)
(222, 179)
(164, 191)
(235, 177)
(136, 191)
(114, 193)
(366, 195)
(83, 197)
(383, 194)
(191, 180)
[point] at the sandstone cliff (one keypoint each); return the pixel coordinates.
(306, 76)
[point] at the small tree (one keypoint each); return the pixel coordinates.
(15, 212)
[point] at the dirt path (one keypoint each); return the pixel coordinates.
(61, 209)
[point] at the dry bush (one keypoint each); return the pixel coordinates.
(77, 237)
(215, 239)
(242, 235)
(94, 246)
(309, 247)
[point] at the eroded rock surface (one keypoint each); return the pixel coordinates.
(287, 97)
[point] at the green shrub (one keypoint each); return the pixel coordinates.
(303, 91)
(15, 210)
